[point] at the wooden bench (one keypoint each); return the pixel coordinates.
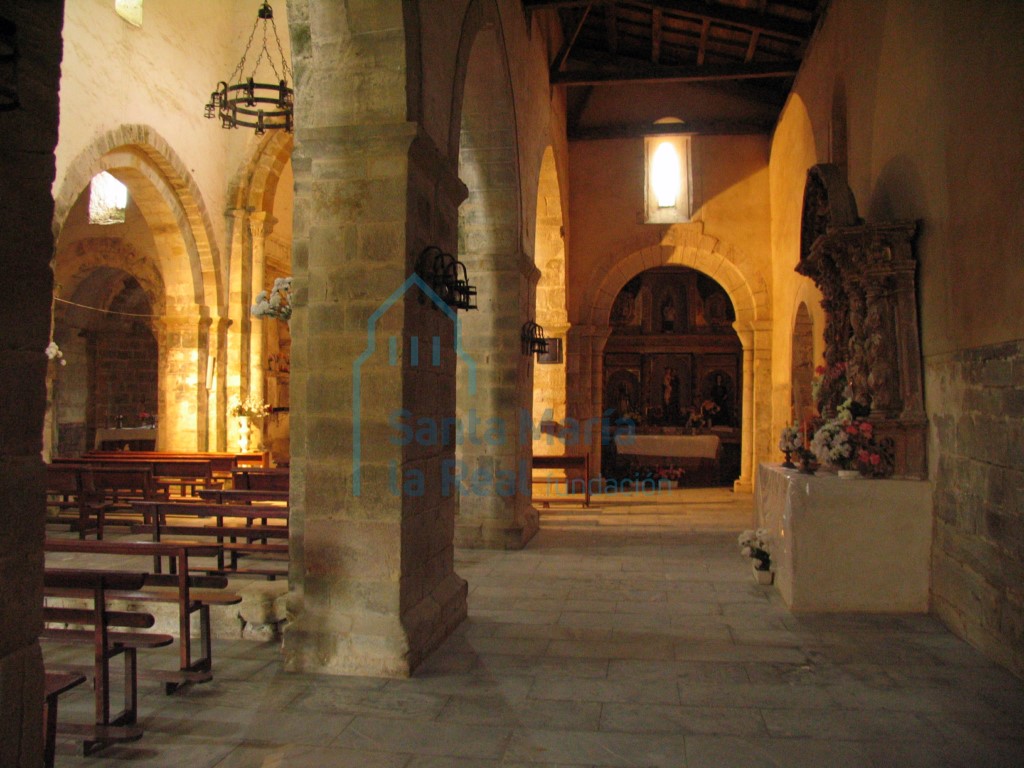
(260, 478)
(232, 540)
(564, 462)
(222, 462)
(69, 487)
(107, 643)
(241, 495)
(55, 684)
(191, 593)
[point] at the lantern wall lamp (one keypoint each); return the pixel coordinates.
(533, 339)
(447, 277)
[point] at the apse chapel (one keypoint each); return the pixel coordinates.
(635, 233)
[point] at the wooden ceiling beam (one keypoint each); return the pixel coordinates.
(691, 127)
(611, 27)
(684, 74)
(702, 46)
(563, 53)
(699, 9)
(655, 35)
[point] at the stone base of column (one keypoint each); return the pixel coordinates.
(743, 485)
(493, 534)
(375, 645)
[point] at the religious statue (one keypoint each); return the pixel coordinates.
(668, 315)
(670, 395)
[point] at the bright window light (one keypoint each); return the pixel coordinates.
(108, 200)
(666, 175)
(130, 11)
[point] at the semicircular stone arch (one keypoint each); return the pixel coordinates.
(748, 292)
(700, 252)
(170, 176)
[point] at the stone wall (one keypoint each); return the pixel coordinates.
(29, 130)
(977, 419)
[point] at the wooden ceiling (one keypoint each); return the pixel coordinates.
(730, 63)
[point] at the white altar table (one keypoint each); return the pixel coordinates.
(676, 446)
(847, 545)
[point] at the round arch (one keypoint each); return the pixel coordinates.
(140, 149)
(747, 290)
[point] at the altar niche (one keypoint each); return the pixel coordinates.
(866, 274)
(672, 362)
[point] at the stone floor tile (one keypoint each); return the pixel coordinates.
(424, 738)
(659, 718)
(406, 703)
(581, 689)
(734, 752)
(529, 713)
(301, 756)
(597, 749)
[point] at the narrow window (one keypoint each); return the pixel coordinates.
(108, 200)
(130, 11)
(667, 176)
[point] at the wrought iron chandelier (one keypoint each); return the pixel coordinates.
(447, 276)
(248, 103)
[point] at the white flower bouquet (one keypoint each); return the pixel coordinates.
(755, 544)
(276, 303)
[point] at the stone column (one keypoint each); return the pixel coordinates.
(26, 176)
(260, 227)
(183, 359)
(236, 366)
(372, 585)
(745, 482)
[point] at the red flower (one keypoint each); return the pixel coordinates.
(866, 428)
(876, 459)
(851, 429)
(863, 456)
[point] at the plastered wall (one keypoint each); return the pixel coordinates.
(932, 94)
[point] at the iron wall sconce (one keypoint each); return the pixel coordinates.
(447, 277)
(533, 339)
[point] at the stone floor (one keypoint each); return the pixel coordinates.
(630, 634)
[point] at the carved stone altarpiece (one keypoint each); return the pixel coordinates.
(866, 273)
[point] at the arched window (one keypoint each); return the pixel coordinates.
(668, 178)
(108, 200)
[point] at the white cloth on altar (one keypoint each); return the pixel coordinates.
(677, 446)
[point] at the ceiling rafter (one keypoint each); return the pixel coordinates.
(682, 74)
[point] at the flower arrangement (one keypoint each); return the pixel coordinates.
(53, 352)
(755, 544)
(790, 442)
(848, 442)
(250, 408)
(277, 303)
(790, 439)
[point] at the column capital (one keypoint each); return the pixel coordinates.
(261, 223)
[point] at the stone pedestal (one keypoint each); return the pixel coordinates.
(847, 545)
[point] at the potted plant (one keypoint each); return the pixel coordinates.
(755, 545)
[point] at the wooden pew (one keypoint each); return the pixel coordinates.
(221, 461)
(241, 495)
(564, 462)
(117, 486)
(70, 487)
(260, 478)
(232, 539)
(107, 644)
(193, 594)
(55, 684)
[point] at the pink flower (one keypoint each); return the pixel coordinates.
(876, 459)
(863, 456)
(851, 430)
(866, 428)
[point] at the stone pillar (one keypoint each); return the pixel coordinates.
(183, 344)
(372, 585)
(26, 175)
(745, 482)
(585, 369)
(260, 227)
(236, 366)
(498, 413)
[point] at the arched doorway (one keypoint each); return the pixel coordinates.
(672, 366)
(802, 366)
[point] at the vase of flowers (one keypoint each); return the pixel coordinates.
(847, 443)
(790, 442)
(277, 302)
(755, 545)
(246, 411)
